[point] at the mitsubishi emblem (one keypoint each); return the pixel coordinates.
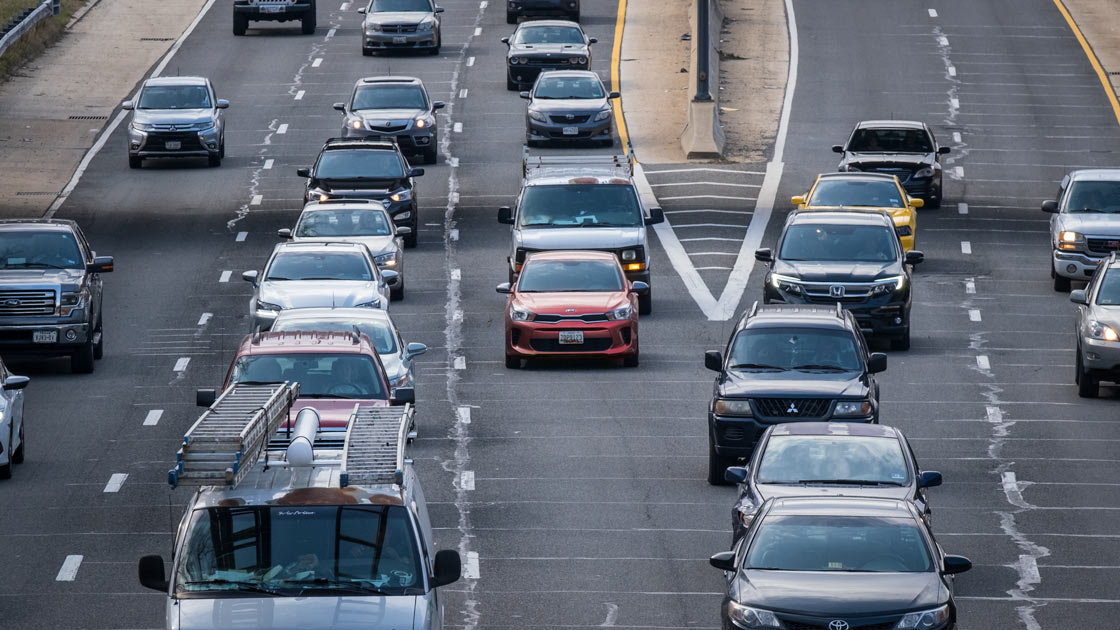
(836, 290)
(792, 409)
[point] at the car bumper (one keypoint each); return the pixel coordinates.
(881, 318)
(152, 144)
(584, 131)
(279, 12)
(736, 437)
(20, 339)
(410, 141)
(1075, 265)
(542, 7)
(921, 188)
(600, 339)
(1101, 356)
(403, 41)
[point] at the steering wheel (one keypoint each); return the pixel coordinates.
(886, 562)
(342, 389)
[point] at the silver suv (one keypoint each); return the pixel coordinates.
(401, 24)
(1085, 227)
(176, 117)
(1098, 329)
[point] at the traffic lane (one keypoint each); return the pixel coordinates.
(580, 608)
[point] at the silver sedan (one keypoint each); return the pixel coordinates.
(1098, 329)
(569, 106)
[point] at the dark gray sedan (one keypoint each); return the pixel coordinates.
(569, 105)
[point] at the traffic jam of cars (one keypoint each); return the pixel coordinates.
(832, 522)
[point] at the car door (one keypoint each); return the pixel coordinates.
(93, 280)
(14, 403)
(920, 498)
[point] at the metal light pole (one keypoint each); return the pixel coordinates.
(703, 48)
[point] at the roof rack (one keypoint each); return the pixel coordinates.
(222, 446)
(619, 165)
(375, 445)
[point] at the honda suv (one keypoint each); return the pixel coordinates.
(851, 258)
(1085, 227)
(787, 364)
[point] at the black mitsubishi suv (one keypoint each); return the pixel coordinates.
(852, 258)
(787, 364)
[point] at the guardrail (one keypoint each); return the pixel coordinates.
(46, 9)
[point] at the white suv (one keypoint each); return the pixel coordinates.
(11, 420)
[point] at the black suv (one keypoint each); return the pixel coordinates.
(904, 148)
(851, 258)
(353, 168)
(787, 364)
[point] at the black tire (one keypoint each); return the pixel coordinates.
(222, 148)
(240, 24)
(135, 161)
(439, 44)
(99, 347)
(645, 303)
(81, 362)
(716, 465)
(17, 457)
(513, 363)
(1088, 385)
(1061, 283)
(367, 52)
(630, 361)
(511, 18)
(214, 160)
(6, 469)
(307, 23)
(411, 240)
(901, 343)
(397, 293)
(512, 85)
(431, 156)
(933, 202)
(609, 142)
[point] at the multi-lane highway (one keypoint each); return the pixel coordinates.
(576, 492)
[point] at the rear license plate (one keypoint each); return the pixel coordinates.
(571, 131)
(571, 336)
(273, 9)
(173, 145)
(400, 40)
(44, 336)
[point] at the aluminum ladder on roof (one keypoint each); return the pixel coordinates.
(621, 166)
(223, 444)
(376, 438)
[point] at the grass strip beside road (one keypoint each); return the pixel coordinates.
(38, 38)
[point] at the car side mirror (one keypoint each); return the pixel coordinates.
(505, 40)
(448, 567)
(152, 574)
(389, 275)
(713, 360)
(250, 276)
(956, 564)
(837, 148)
(223, 103)
(724, 561)
(361, 10)
(415, 349)
(504, 288)
(402, 396)
(797, 200)
(128, 105)
(914, 257)
(877, 362)
(1078, 297)
(438, 105)
(15, 382)
(402, 230)
(303, 172)
(437, 10)
(592, 40)
(656, 215)
(1050, 206)
(915, 202)
(100, 264)
(943, 150)
(763, 255)
(524, 95)
(284, 233)
(638, 287)
(339, 106)
(735, 474)
(205, 397)
(614, 95)
(415, 172)
(929, 479)
(505, 215)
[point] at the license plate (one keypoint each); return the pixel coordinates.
(44, 336)
(173, 145)
(571, 336)
(273, 9)
(400, 40)
(571, 131)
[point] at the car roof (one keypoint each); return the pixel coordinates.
(304, 341)
(790, 315)
(1095, 174)
(389, 79)
(326, 313)
(840, 506)
(177, 81)
(836, 429)
(345, 204)
(891, 124)
(548, 23)
(39, 224)
(571, 73)
(576, 254)
(320, 246)
(859, 176)
(841, 217)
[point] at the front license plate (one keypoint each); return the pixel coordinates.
(273, 9)
(173, 145)
(44, 336)
(571, 131)
(400, 40)
(571, 336)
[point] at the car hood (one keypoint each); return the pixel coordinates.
(793, 384)
(574, 304)
(573, 105)
(544, 50)
(397, 17)
(377, 244)
(580, 238)
(882, 160)
(385, 116)
(172, 116)
(841, 594)
(310, 293)
(41, 277)
(296, 613)
(810, 271)
(901, 216)
(1091, 223)
(767, 491)
(334, 413)
(377, 189)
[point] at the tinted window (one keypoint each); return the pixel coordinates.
(580, 205)
(20, 249)
(549, 35)
(795, 348)
(800, 458)
(1109, 292)
(319, 375)
(333, 223)
(857, 193)
(890, 141)
(833, 242)
(569, 87)
(569, 275)
(839, 543)
(318, 266)
(1093, 196)
(174, 97)
(359, 164)
(380, 333)
(309, 549)
(399, 5)
(389, 97)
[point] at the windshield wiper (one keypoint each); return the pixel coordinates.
(817, 366)
(248, 587)
(755, 366)
(1089, 210)
(851, 482)
(338, 396)
(35, 266)
(343, 584)
(604, 224)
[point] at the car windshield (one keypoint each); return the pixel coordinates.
(174, 97)
(568, 87)
(548, 35)
(890, 141)
(795, 348)
(837, 242)
(349, 376)
(547, 276)
(1093, 196)
(380, 333)
(319, 266)
(335, 223)
(580, 205)
(305, 550)
(833, 459)
(399, 5)
(876, 194)
(359, 164)
(839, 543)
(25, 249)
(389, 97)
(1108, 291)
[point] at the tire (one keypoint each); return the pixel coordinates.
(1061, 283)
(17, 457)
(609, 142)
(396, 293)
(645, 303)
(222, 148)
(716, 465)
(307, 23)
(513, 363)
(439, 44)
(6, 469)
(901, 343)
(214, 160)
(81, 362)
(512, 85)
(135, 161)
(240, 24)
(511, 18)
(367, 52)
(99, 347)
(630, 361)
(1088, 385)
(933, 202)
(431, 156)
(411, 240)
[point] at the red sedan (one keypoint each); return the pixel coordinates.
(572, 304)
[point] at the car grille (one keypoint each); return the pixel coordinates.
(796, 625)
(22, 303)
(575, 120)
(188, 140)
(903, 174)
(1103, 245)
(595, 344)
(398, 28)
(587, 317)
(549, 61)
(388, 127)
(822, 293)
(801, 408)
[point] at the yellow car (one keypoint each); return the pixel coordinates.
(875, 191)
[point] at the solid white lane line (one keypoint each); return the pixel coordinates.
(966, 247)
(299, 95)
(318, 62)
(962, 208)
(957, 137)
(152, 419)
(466, 480)
(457, 127)
(268, 164)
(115, 482)
(225, 276)
(464, 414)
(974, 315)
(204, 319)
(983, 363)
(282, 129)
(181, 364)
(241, 236)
(69, 569)
(470, 571)
(933, 13)
(460, 363)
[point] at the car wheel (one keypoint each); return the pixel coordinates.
(397, 293)
(1088, 385)
(81, 362)
(609, 142)
(99, 347)
(367, 52)
(135, 161)
(222, 148)
(716, 465)
(511, 18)
(903, 342)
(1061, 283)
(630, 361)
(645, 302)
(6, 469)
(513, 363)
(17, 456)
(511, 85)
(439, 44)
(431, 156)
(933, 202)
(214, 160)
(240, 24)
(307, 23)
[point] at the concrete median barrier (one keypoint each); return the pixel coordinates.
(703, 136)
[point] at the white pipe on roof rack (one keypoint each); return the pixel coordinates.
(301, 451)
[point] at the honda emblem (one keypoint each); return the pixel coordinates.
(836, 290)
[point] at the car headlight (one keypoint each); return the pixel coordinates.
(852, 409)
(373, 27)
(376, 303)
(733, 407)
(205, 126)
(746, 514)
(629, 254)
(401, 195)
(785, 283)
(141, 126)
(622, 312)
(355, 123)
(518, 314)
(517, 60)
(387, 260)
(424, 122)
(889, 284)
(537, 116)
(925, 171)
(1104, 332)
(1069, 239)
(924, 619)
(426, 25)
(603, 115)
(574, 60)
(268, 306)
(74, 299)
(752, 618)
(401, 381)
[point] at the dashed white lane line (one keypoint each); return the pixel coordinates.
(152, 419)
(962, 208)
(458, 315)
(318, 62)
(957, 137)
(470, 571)
(345, 6)
(970, 285)
(463, 93)
(453, 161)
(457, 127)
(958, 171)
(256, 200)
(282, 129)
(299, 95)
(181, 364)
(466, 480)
(942, 41)
(69, 569)
(331, 33)
(460, 363)
(483, 4)
(933, 13)
(456, 274)
(982, 362)
(952, 71)
(477, 31)
(966, 247)
(204, 319)
(455, 198)
(453, 235)
(995, 414)
(974, 315)
(464, 414)
(470, 61)
(955, 103)
(268, 164)
(225, 276)
(115, 482)
(1029, 569)
(241, 236)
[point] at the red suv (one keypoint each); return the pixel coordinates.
(335, 371)
(572, 304)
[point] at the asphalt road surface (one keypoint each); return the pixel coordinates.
(576, 491)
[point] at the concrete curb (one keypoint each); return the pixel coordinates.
(81, 13)
(703, 137)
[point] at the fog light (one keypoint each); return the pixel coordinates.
(71, 335)
(1092, 356)
(212, 145)
(898, 320)
(135, 145)
(1071, 268)
(423, 140)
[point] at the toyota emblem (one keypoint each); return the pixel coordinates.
(838, 624)
(836, 290)
(12, 302)
(792, 409)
